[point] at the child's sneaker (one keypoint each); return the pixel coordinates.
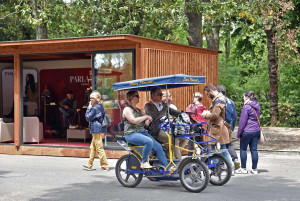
(87, 168)
(104, 169)
(241, 171)
(254, 171)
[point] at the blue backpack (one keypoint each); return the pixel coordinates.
(230, 113)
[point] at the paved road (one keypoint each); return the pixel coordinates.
(62, 178)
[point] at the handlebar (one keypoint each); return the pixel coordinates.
(165, 125)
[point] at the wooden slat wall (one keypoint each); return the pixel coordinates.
(163, 62)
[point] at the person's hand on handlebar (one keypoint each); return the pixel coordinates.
(147, 122)
(149, 118)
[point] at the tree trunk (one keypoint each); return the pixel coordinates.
(212, 38)
(227, 48)
(227, 42)
(195, 24)
(41, 30)
(273, 76)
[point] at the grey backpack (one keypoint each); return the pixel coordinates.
(106, 122)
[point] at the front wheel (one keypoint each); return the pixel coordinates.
(194, 175)
(125, 178)
(221, 173)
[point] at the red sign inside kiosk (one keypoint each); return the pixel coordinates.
(59, 81)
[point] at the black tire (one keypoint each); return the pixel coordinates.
(127, 179)
(220, 174)
(194, 175)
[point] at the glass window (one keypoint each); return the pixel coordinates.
(110, 68)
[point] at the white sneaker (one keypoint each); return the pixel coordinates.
(146, 165)
(104, 169)
(254, 171)
(85, 167)
(241, 171)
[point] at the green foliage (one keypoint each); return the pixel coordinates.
(246, 68)
(240, 22)
(12, 25)
(289, 114)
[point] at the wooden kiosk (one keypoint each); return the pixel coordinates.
(150, 58)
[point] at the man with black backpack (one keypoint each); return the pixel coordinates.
(216, 116)
(229, 146)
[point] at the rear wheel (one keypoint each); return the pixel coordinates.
(194, 175)
(220, 174)
(125, 178)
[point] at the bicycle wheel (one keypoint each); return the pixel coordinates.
(220, 174)
(125, 178)
(194, 175)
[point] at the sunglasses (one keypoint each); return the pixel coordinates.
(136, 96)
(160, 94)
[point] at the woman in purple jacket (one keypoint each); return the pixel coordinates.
(249, 131)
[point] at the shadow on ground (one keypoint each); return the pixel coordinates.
(240, 187)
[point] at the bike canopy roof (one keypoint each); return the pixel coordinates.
(170, 81)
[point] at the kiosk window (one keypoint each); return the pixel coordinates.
(110, 68)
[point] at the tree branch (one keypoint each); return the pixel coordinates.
(10, 13)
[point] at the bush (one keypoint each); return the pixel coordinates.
(289, 114)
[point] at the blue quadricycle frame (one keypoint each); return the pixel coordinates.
(193, 171)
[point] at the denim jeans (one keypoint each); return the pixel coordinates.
(250, 139)
(225, 154)
(142, 138)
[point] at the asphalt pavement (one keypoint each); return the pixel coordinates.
(24, 177)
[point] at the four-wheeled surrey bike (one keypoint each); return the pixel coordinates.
(194, 172)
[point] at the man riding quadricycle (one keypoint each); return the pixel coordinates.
(148, 158)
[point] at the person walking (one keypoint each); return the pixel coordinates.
(230, 147)
(218, 127)
(249, 131)
(95, 115)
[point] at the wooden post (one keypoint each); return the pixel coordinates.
(17, 102)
